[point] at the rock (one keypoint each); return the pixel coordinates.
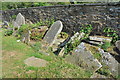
(110, 61)
(35, 62)
(95, 75)
(117, 44)
(52, 33)
(100, 38)
(84, 58)
(105, 58)
(26, 37)
(20, 20)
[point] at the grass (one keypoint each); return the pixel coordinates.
(14, 53)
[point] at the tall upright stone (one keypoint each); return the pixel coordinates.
(53, 31)
(20, 19)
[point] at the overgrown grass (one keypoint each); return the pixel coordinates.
(14, 54)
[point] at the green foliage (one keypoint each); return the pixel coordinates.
(97, 56)
(71, 46)
(63, 35)
(106, 45)
(47, 22)
(8, 32)
(86, 29)
(36, 46)
(13, 17)
(109, 32)
(104, 71)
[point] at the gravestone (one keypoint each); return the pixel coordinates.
(20, 20)
(53, 31)
(110, 61)
(35, 62)
(84, 58)
(105, 58)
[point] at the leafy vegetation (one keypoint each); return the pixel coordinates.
(106, 45)
(110, 32)
(86, 29)
(72, 45)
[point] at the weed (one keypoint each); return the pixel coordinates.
(110, 32)
(106, 45)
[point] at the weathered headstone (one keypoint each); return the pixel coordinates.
(117, 44)
(110, 61)
(35, 62)
(105, 58)
(52, 33)
(84, 58)
(20, 20)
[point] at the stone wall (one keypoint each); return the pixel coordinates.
(73, 16)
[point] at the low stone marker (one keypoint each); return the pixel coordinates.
(100, 38)
(52, 33)
(84, 58)
(35, 62)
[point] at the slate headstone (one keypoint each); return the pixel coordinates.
(53, 31)
(84, 58)
(110, 61)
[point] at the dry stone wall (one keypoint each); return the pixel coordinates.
(72, 16)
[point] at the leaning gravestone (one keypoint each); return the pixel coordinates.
(110, 61)
(52, 33)
(84, 58)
